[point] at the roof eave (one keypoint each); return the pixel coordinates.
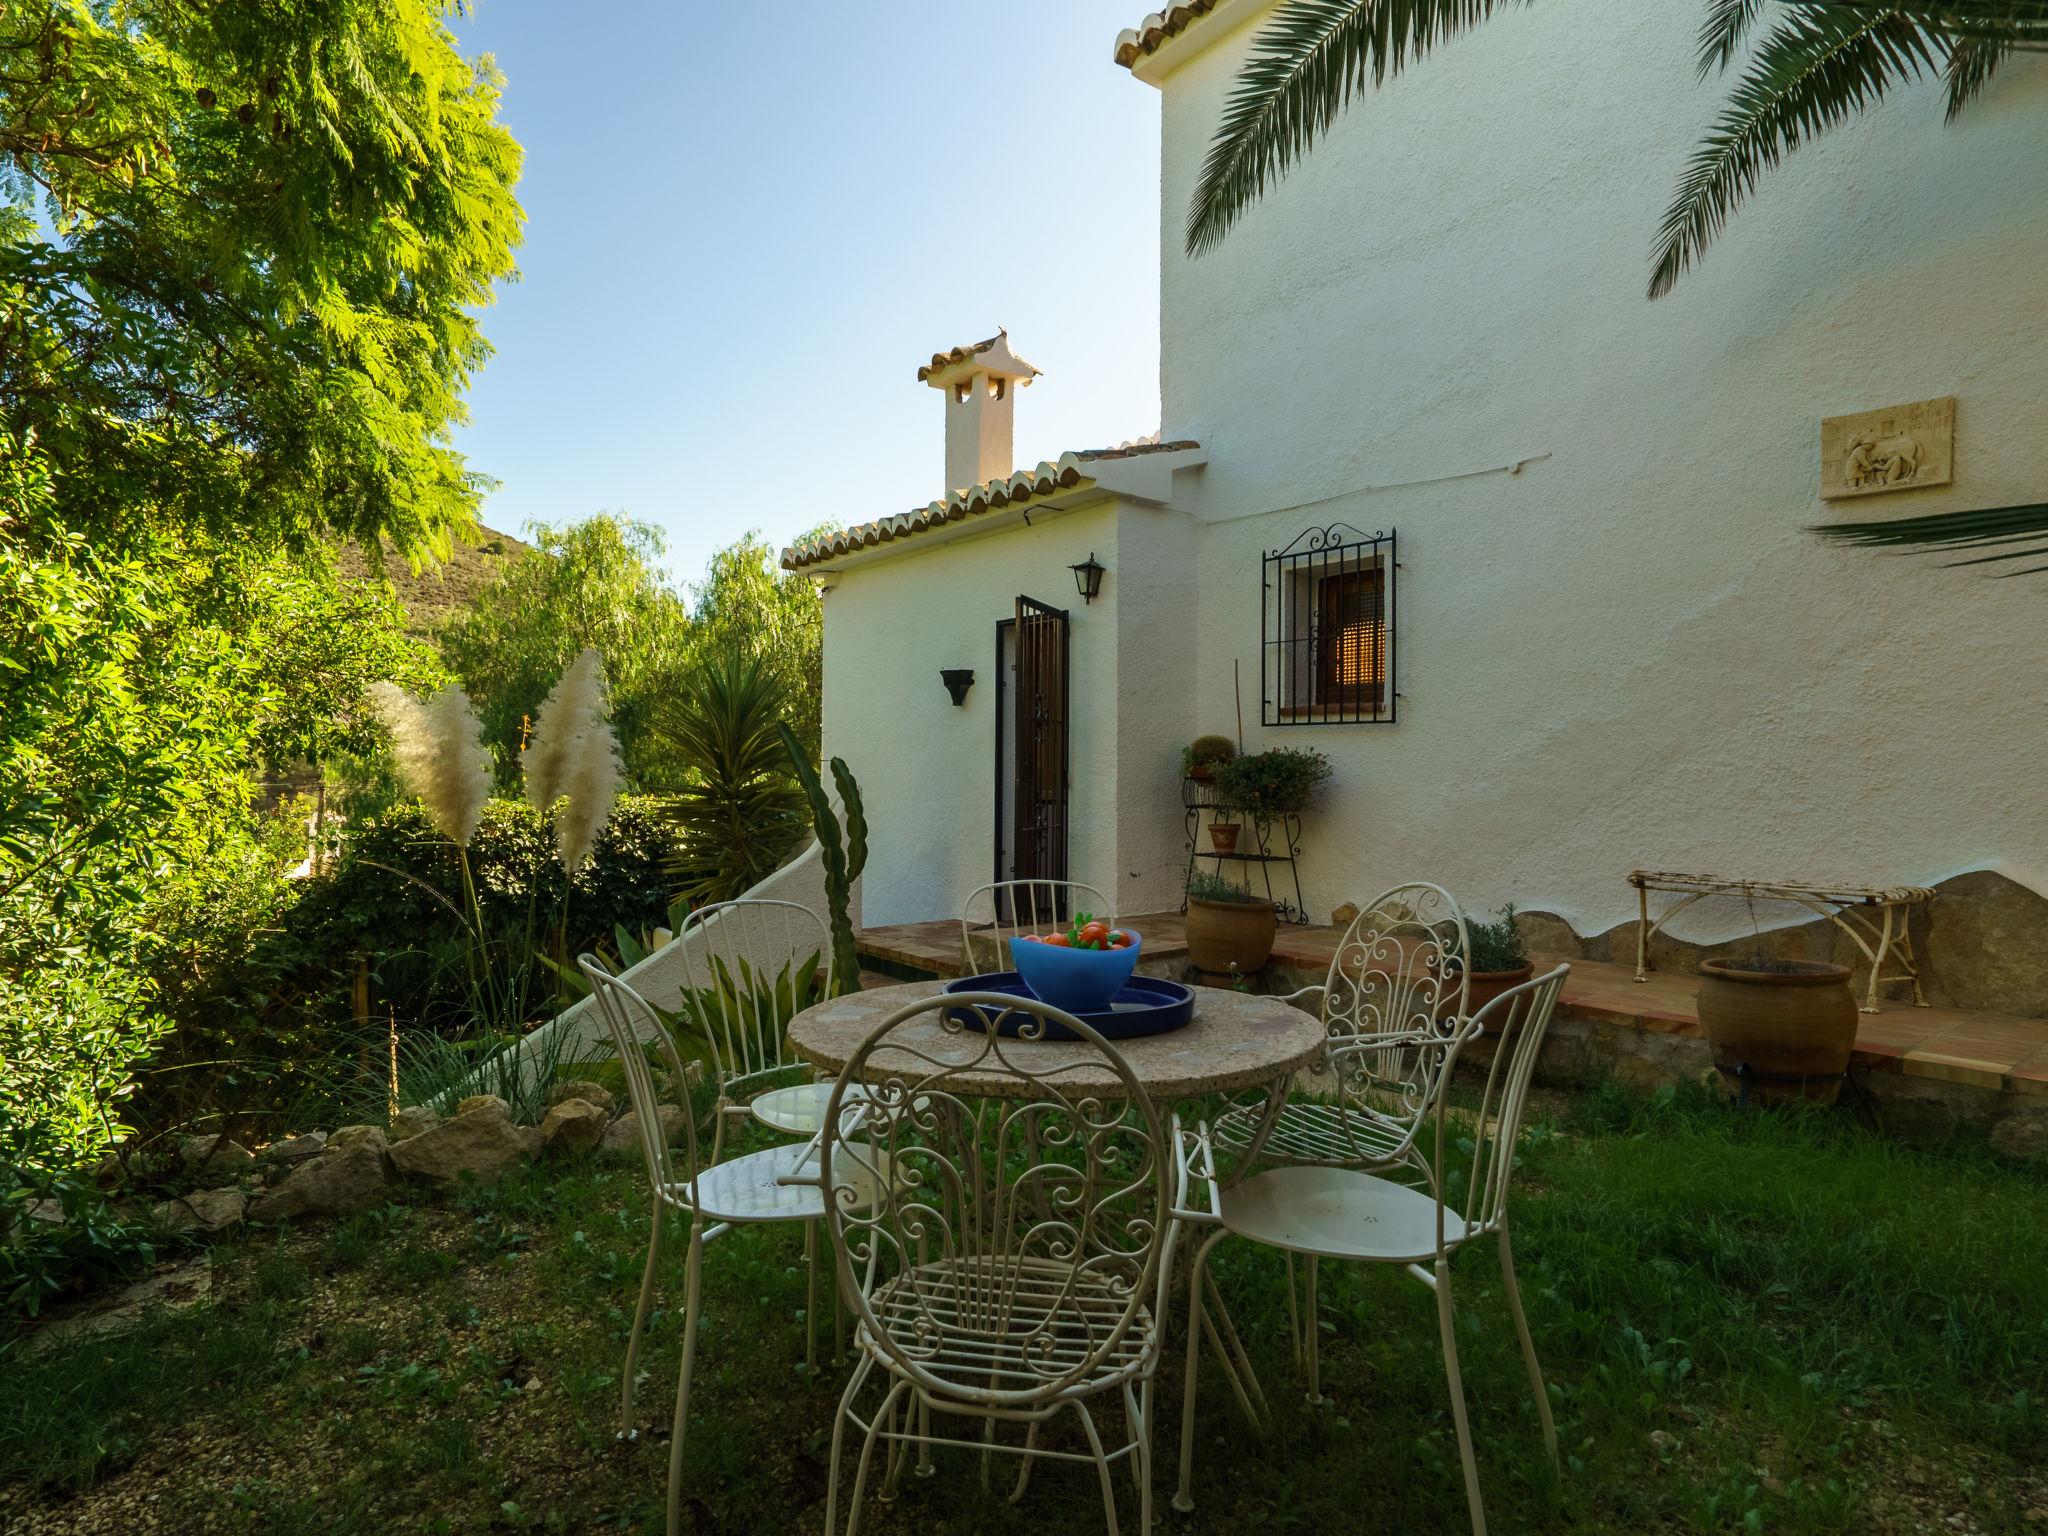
(1163, 58)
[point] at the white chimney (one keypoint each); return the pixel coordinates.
(980, 383)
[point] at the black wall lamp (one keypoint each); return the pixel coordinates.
(1088, 577)
(957, 680)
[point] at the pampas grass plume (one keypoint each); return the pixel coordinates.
(438, 746)
(571, 710)
(592, 785)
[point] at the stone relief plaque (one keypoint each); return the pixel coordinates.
(1900, 448)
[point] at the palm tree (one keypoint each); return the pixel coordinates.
(1824, 61)
(2010, 533)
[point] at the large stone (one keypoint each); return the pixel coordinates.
(408, 1123)
(589, 1092)
(574, 1125)
(622, 1138)
(294, 1150)
(480, 1144)
(356, 1136)
(212, 1152)
(2022, 1133)
(207, 1210)
(332, 1184)
(477, 1101)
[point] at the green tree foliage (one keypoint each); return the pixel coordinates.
(1822, 62)
(594, 583)
(241, 248)
(746, 605)
(739, 814)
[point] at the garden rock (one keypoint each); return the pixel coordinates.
(50, 1211)
(294, 1150)
(207, 1210)
(408, 1123)
(622, 1139)
(355, 1136)
(478, 1101)
(589, 1092)
(480, 1144)
(574, 1125)
(332, 1184)
(2021, 1134)
(212, 1152)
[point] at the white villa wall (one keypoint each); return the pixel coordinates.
(926, 767)
(1630, 653)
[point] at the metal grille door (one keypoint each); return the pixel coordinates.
(1039, 800)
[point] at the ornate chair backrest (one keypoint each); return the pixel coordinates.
(1517, 1020)
(633, 1021)
(756, 966)
(1400, 970)
(998, 913)
(1032, 1228)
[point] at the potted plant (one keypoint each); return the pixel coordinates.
(1223, 835)
(1498, 958)
(1230, 931)
(1269, 785)
(1200, 757)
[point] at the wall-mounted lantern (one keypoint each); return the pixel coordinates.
(957, 680)
(1088, 577)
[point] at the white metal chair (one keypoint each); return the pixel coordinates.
(717, 1196)
(998, 913)
(757, 957)
(1325, 1212)
(1015, 1265)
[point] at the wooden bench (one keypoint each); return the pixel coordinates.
(1875, 917)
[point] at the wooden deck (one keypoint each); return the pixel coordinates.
(1983, 1050)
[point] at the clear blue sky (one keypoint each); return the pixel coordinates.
(747, 225)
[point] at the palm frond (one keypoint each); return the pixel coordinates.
(1721, 34)
(1301, 73)
(1813, 71)
(1971, 63)
(2015, 533)
(2011, 23)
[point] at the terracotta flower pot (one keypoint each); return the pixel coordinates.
(1223, 836)
(1202, 773)
(1487, 985)
(1227, 936)
(1793, 1028)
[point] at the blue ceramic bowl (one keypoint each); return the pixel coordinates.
(1078, 980)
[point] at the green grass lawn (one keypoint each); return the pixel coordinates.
(1750, 1323)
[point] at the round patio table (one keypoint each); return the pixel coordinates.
(1235, 1041)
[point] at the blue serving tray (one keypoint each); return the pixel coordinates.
(1147, 1005)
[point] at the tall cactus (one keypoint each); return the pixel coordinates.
(844, 859)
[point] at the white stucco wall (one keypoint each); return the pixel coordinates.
(1630, 653)
(926, 767)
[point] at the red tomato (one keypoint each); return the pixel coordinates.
(1060, 940)
(1094, 934)
(1119, 940)
(1029, 938)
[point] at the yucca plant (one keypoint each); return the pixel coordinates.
(1823, 62)
(742, 812)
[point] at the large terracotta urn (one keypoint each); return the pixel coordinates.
(1230, 937)
(1790, 1023)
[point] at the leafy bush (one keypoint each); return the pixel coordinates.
(1276, 783)
(41, 1259)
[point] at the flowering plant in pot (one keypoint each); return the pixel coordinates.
(1230, 931)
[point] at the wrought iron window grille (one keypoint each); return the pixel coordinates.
(1326, 629)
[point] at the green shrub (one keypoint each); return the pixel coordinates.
(1205, 752)
(1276, 783)
(42, 1259)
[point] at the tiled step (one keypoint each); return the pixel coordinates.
(1980, 1049)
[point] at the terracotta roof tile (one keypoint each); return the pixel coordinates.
(1023, 486)
(1133, 43)
(944, 360)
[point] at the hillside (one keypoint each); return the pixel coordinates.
(433, 595)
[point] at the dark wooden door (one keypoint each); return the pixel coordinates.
(1038, 797)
